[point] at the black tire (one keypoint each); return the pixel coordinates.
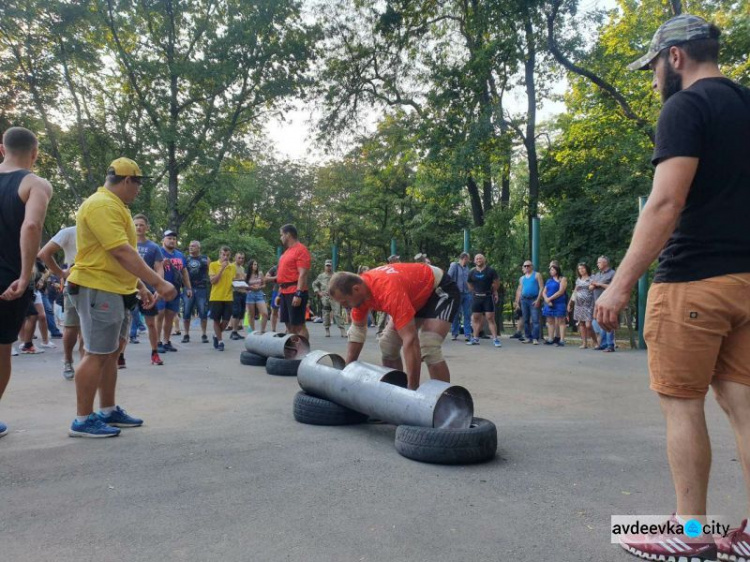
(476, 444)
(253, 359)
(319, 411)
(282, 367)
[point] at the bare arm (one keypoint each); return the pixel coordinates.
(353, 348)
(47, 255)
(540, 282)
(672, 181)
(216, 278)
(39, 194)
(128, 257)
(412, 354)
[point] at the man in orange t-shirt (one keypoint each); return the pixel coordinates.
(421, 302)
(293, 270)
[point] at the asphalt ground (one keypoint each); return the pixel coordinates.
(221, 471)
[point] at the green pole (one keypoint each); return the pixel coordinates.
(278, 252)
(466, 240)
(535, 242)
(642, 291)
(393, 246)
(335, 257)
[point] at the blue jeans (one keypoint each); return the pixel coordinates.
(135, 322)
(50, 314)
(466, 313)
(606, 339)
(530, 317)
(199, 302)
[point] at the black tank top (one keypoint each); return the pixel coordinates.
(12, 212)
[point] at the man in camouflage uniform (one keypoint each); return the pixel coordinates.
(320, 286)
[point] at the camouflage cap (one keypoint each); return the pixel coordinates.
(679, 29)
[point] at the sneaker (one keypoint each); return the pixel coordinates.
(497, 343)
(68, 371)
(454, 337)
(57, 336)
(599, 348)
(31, 350)
(3, 429)
(142, 329)
(561, 343)
(473, 341)
(169, 347)
(120, 418)
(220, 346)
(216, 342)
(535, 342)
(160, 348)
(204, 338)
(516, 336)
(525, 340)
(235, 336)
(735, 547)
(121, 362)
(610, 349)
(13, 352)
(155, 359)
(93, 427)
(178, 333)
(186, 339)
(134, 339)
(549, 342)
(48, 345)
(669, 547)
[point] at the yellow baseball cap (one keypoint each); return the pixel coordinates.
(125, 167)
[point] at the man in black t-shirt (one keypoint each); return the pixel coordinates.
(698, 319)
(483, 282)
(197, 268)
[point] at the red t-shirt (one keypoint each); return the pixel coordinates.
(398, 289)
(295, 257)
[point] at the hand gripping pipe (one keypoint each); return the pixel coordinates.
(270, 344)
(381, 393)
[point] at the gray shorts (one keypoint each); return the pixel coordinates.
(104, 320)
(70, 314)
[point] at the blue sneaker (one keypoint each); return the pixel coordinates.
(93, 427)
(216, 342)
(120, 418)
(497, 343)
(3, 429)
(220, 346)
(160, 348)
(473, 341)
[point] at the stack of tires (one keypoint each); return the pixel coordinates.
(280, 354)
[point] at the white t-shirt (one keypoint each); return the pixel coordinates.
(66, 239)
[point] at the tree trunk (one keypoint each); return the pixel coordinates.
(676, 7)
(476, 202)
(530, 138)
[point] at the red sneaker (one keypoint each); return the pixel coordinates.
(735, 547)
(155, 359)
(121, 362)
(670, 547)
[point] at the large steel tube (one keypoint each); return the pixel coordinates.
(270, 344)
(381, 393)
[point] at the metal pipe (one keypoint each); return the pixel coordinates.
(270, 344)
(381, 393)
(535, 242)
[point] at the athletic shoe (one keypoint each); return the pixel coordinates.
(142, 329)
(216, 342)
(454, 337)
(93, 427)
(3, 429)
(235, 336)
(160, 348)
(29, 350)
(155, 359)
(168, 346)
(134, 339)
(473, 341)
(13, 352)
(121, 362)
(57, 336)
(204, 338)
(68, 371)
(610, 349)
(535, 342)
(561, 343)
(120, 418)
(186, 339)
(178, 333)
(497, 343)
(735, 547)
(220, 346)
(525, 340)
(48, 345)
(516, 336)
(599, 348)
(669, 548)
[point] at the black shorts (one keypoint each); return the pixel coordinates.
(293, 315)
(13, 313)
(220, 310)
(31, 308)
(153, 311)
(482, 304)
(238, 305)
(444, 302)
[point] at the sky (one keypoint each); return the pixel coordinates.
(292, 137)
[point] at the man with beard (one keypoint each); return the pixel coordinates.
(293, 270)
(197, 268)
(173, 262)
(698, 320)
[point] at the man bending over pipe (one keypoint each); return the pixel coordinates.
(421, 302)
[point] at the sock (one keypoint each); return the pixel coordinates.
(28, 345)
(153, 351)
(108, 410)
(81, 419)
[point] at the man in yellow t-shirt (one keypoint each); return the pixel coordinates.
(103, 285)
(221, 273)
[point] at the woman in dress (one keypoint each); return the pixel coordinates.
(555, 305)
(584, 309)
(255, 301)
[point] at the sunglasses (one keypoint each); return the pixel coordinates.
(527, 265)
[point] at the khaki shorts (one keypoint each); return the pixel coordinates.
(697, 332)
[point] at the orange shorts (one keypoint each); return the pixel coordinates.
(698, 331)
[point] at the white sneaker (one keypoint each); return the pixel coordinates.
(13, 352)
(48, 345)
